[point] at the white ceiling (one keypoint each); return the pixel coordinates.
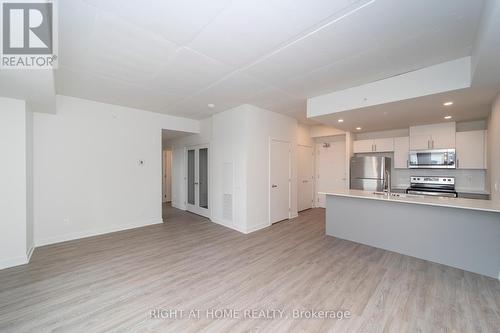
(178, 56)
(36, 87)
(468, 104)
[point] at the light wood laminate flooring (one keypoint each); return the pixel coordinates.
(110, 283)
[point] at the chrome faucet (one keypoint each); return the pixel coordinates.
(387, 185)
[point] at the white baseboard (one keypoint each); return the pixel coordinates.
(178, 205)
(22, 260)
(11, 262)
(258, 227)
(30, 253)
(95, 232)
(242, 230)
(226, 224)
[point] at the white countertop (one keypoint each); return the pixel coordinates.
(473, 204)
(459, 190)
(472, 191)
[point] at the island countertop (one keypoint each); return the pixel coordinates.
(462, 203)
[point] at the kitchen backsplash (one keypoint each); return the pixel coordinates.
(465, 180)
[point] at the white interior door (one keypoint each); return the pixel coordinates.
(330, 170)
(198, 180)
(305, 179)
(167, 176)
(279, 179)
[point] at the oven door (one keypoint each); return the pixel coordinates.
(433, 194)
(432, 159)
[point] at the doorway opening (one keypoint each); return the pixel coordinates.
(172, 178)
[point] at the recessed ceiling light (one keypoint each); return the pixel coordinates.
(211, 105)
(448, 103)
(358, 128)
(340, 120)
(447, 117)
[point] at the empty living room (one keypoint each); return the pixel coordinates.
(250, 166)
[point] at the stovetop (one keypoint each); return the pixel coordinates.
(432, 184)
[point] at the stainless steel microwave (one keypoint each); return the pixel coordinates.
(432, 159)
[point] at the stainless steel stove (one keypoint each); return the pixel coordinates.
(433, 186)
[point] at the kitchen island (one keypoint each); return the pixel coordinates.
(462, 233)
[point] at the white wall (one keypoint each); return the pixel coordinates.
(494, 150)
(15, 183)
(239, 164)
(30, 218)
(304, 135)
(264, 125)
(87, 176)
(228, 168)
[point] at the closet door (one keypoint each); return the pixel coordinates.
(198, 180)
(305, 195)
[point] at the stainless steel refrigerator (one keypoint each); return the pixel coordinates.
(370, 173)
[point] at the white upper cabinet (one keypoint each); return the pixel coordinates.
(373, 146)
(471, 150)
(401, 150)
(435, 136)
(384, 145)
(363, 146)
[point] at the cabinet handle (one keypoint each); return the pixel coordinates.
(375, 147)
(458, 163)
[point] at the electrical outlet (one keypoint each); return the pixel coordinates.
(66, 220)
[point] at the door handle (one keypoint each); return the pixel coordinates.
(196, 183)
(305, 181)
(274, 186)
